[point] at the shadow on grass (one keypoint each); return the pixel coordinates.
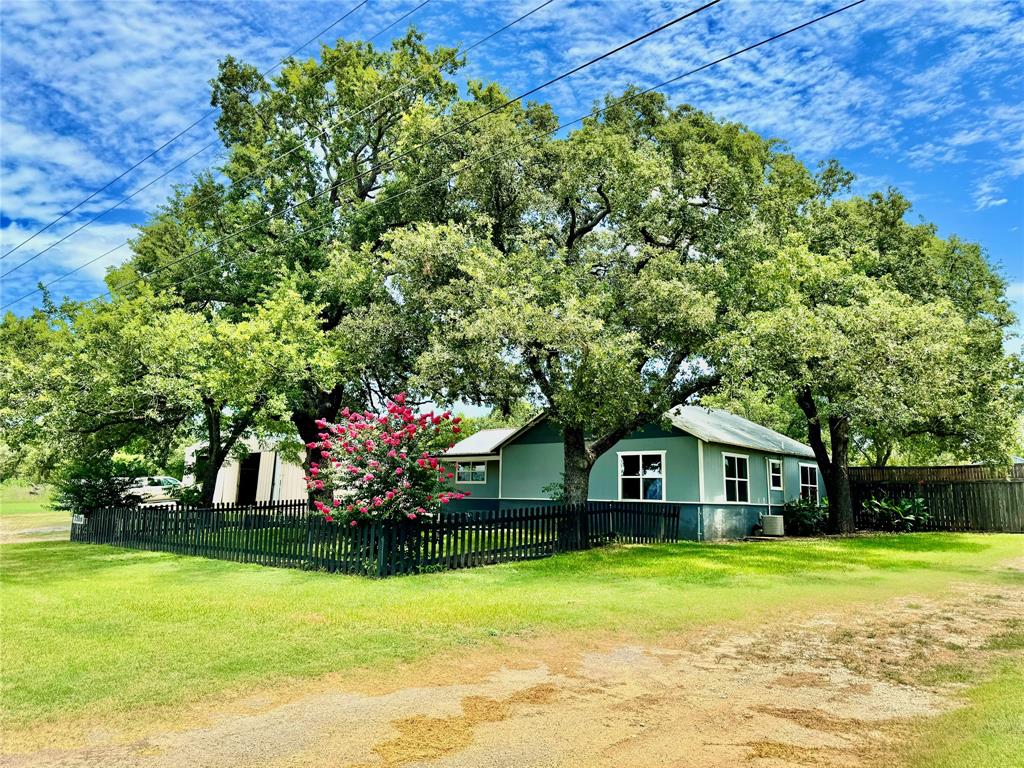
(685, 562)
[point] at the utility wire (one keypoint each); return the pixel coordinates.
(200, 151)
(282, 155)
(458, 128)
(182, 132)
(446, 178)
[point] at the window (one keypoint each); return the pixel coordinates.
(809, 482)
(642, 476)
(471, 472)
(737, 477)
(775, 474)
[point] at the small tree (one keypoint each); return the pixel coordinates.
(383, 467)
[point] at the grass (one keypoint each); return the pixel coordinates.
(25, 511)
(98, 630)
(987, 731)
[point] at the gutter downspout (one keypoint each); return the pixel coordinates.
(700, 489)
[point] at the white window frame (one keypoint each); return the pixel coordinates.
(817, 481)
(458, 469)
(771, 475)
(738, 480)
(641, 454)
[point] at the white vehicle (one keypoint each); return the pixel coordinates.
(153, 489)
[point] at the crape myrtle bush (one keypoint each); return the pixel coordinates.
(383, 466)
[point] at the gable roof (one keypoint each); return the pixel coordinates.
(486, 442)
(713, 425)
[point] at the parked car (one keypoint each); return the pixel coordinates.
(153, 489)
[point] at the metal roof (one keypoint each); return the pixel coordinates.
(483, 443)
(714, 425)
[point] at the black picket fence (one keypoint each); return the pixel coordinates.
(286, 534)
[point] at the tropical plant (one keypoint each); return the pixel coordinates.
(899, 515)
(382, 467)
(804, 517)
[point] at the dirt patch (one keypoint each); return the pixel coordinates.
(834, 689)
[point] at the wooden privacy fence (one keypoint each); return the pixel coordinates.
(286, 534)
(959, 498)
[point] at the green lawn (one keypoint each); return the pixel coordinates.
(988, 731)
(100, 630)
(25, 512)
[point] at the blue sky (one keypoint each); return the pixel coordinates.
(924, 96)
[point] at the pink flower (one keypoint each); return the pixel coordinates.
(353, 523)
(367, 477)
(398, 470)
(364, 510)
(399, 398)
(390, 495)
(411, 516)
(451, 475)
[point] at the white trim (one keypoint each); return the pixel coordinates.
(700, 471)
(445, 459)
(618, 474)
(737, 479)
(471, 482)
(817, 481)
(782, 476)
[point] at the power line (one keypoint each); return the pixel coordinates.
(203, 149)
(182, 132)
(593, 113)
(433, 139)
(274, 159)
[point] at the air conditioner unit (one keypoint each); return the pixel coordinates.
(771, 525)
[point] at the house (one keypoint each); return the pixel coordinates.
(262, 475)
(723, 470)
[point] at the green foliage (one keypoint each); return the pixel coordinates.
(90, 483)
(803, 517)
(884, 334)
(901, 515)
(596, 269)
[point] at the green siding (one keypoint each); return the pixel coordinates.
(535, 460)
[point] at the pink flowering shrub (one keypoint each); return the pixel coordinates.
(383, 466)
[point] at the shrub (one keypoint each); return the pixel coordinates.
(91, 483)
(804, 517)
(898, 515)
(383, 467)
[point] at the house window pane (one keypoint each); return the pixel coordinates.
(630, 465)
(652, 488)
(471, 473)
(809, 482)
(642, 476)
(631, 487)
(651, 465)
(775, 473)
(737, 480)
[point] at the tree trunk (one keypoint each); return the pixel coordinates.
(837, 479)
(214, 461)
(309, 432)
(576, 478)
(214, 457)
